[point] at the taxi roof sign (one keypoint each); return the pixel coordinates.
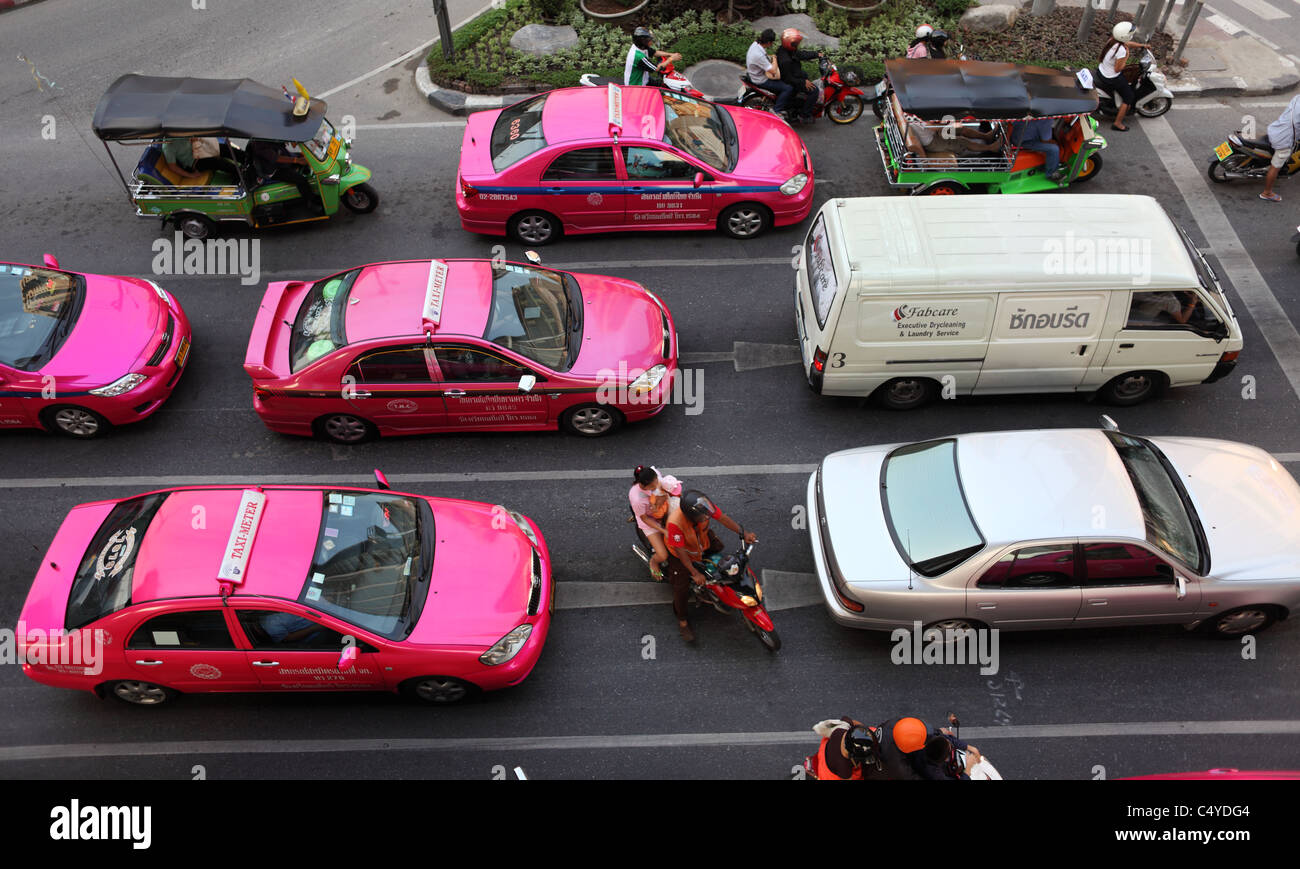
(234, 561)
(434, 291)
(615, 110)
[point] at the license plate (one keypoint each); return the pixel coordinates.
(182, 352)
(880, 88)
(1223, 151)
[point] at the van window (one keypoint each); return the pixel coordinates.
(821, 270)
(1165, 308)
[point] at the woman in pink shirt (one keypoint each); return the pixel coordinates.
(652, 497)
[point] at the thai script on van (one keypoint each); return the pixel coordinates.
(1070, 318)
(1072, 255)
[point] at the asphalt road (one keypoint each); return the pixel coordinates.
(595, 707)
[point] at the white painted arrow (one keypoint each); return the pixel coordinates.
(748, 356)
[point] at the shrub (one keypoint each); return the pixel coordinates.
(949, 8)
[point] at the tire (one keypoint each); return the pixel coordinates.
(534, 228)
(771, 640)
(1130, 388)
(439, 690)
(195, 226)
(361, 199)
(756, 101)
(1241, 621)
(1155, 108)
(1218, 169)
(953, 625)
(139, 693)
(591, 420)
(1297, 249)
(846, 112)
(745, 220)
(345, 428)
(941, 188)
(878, 108)
(74, 421)
(906, 393)
(1089, 169)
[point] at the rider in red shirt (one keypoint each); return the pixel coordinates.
(689, 539)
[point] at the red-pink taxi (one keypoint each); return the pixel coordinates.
(81, 352)
(282, 588)
(458, 345)
(582, 160)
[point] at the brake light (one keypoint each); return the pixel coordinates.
(467, 190)
(1230, 356)
(819, 361)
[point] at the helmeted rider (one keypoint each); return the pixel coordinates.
(644, 60)
(789, 59)
(846, 744)
(920, 46)
(690, 540)
(931, 753)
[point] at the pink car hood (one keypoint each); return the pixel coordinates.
(481, 577)
(621, 324)
(769, 149)
(47, 601)
(117, 327)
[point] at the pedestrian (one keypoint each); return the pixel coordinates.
(1282, 136)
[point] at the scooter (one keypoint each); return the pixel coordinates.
(838, 96)
(730, 584)
(1247, 158)
(881, 761)
(1154, 97)
(669, 78)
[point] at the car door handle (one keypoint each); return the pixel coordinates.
(987, 606)
(635, 189)
(361, 394)
(454, 392)
(1098, 601)
(148, 663)
(1126, 346)
(1083, 349)
(554, 189)
(266, 663)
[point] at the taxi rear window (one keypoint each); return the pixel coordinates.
(103, 582)
(518, 133)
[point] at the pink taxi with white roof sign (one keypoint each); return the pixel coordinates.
(376, 590)
(421, 346)
(579, 160)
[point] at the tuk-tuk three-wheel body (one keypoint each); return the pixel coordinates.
(148, 110)
(940, 97)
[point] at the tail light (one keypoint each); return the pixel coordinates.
(1230, 356)
(467, 190)
(817, 370)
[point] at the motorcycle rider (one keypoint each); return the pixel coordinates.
(789, 59)
(644, 60)
(763, 71)
(931, 753)
(845, 745)
(1110, 68)
(1282, 135)
(928, 43)
(690, 539)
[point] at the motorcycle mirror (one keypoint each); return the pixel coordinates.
(952, 720)
(1108, 423)
(380, 480)
(533, 257)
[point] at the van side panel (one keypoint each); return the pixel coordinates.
(1183, 355)
(1043, 342)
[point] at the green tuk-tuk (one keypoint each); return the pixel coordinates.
(950, 126)
(274, 159)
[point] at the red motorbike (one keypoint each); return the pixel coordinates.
(838, 96)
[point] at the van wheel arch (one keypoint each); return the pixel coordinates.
(1133, 387)
(906, 393)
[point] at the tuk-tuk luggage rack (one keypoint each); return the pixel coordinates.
(142, 190)
(910, 162)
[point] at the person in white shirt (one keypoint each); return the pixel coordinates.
(1111, 68)
(762, 70)
(1282, 135)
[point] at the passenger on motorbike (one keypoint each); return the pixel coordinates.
(652, 497)
(928, 43)
(1282, 135)
(789, 59)
(764, 72)
(644, 60)
(690, 540)
(932, 753)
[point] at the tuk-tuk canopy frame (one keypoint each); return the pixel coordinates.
(985, 91)
(138, 108)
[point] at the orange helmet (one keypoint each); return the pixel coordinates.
(910, 734)
(790, 38)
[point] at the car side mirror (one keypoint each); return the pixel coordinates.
(533, 257)
(348, 657)
(527, 382)
(51, 261)
(381, 480)
(698, 180)
(1181, 585)
(1108, 423)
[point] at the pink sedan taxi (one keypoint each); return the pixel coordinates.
(584, 159)
(458, 345)
(81, 352)
(281, 588)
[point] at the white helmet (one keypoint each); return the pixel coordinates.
(923, 31)
(1123, 32)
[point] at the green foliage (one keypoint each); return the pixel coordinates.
(953, 7)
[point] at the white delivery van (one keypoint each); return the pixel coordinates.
(909, 298)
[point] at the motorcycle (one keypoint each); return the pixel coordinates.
(670, 78)
(730, 584)
(1247, 158)
(881, 761)
(1153, 95)
(838, 96)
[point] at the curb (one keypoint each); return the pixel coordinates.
(455, 102)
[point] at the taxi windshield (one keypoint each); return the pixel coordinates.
(531, 313)
(700, 129)
(38, 308)
(102, 585)
(371, 566)
(319, 327)
(518, 133)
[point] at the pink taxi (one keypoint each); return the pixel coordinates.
(458, 345)
(81, 352)
(283, 588)
(582, 160)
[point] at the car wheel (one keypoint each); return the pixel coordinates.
(1089, 169)
(534, 227)
(344, 428)
(846, 112)
(361, 199)
(906, 393)
(1132, 388)
(73, 421)
(1218, 169)
(745, 220)
(1155, 108)
(140, 693)
(945, 625)
(195, 226)
(439, 690)
(591, 420)
(1241, 621)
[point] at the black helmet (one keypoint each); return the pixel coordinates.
(642, 37)
(697, 505)
(859, 744)
(938, 38)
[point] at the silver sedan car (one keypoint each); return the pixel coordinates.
(1056, 529)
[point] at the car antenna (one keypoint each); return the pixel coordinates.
(909, 559)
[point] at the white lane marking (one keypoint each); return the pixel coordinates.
(550, 477)
(1227, 25)
(1268, 104)
(1262, 10)
(1235, 262)
(405, 57)
(1185, 107)
(413, 125)
(782, 590)
(1124, 729)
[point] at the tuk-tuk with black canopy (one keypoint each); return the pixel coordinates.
(939, 100)
(271, 158)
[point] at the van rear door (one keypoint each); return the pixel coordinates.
(1042, 342)
(819, 290)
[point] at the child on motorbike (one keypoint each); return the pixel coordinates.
(652, 498)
